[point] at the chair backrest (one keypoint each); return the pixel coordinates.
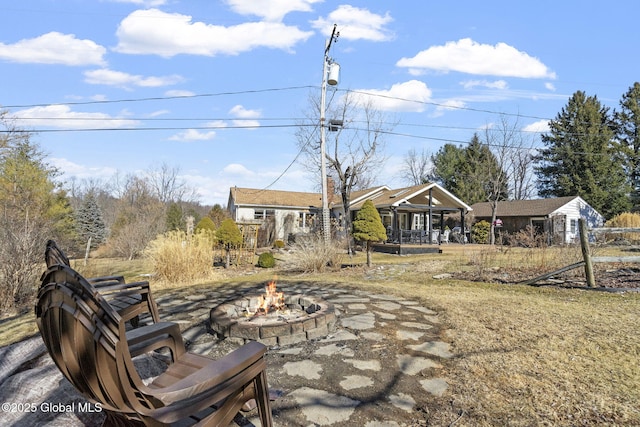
(86, 339)
(54, 255)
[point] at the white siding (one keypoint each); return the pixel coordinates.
(574, 210)
(248, 214)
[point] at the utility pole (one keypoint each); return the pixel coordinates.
(328, 66)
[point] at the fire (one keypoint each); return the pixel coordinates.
(271, 299)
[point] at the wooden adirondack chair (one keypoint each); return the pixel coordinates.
(129, 299)
(87, 340)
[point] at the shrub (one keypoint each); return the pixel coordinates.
(266, 260)
(528, 238)
(178, 258)
(315, 254)
(368, 227)
(480, 232)
(229, 236)
(206, 223)
(279, 244)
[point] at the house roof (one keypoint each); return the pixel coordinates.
(257, 197)
(522, 208)
(382, 197)
(416, 195)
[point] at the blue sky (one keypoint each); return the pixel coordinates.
(215, 88)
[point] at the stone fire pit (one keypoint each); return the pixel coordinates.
(302, 318)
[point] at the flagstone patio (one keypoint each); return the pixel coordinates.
(383, 365)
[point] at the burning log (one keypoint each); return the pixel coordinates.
(312, 308)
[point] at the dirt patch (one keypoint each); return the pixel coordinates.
(612, 278)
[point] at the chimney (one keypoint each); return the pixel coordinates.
(331, 190)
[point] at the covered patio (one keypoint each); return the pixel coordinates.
(414, 216)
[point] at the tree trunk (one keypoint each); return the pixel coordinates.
(369, 248)
(227, 261)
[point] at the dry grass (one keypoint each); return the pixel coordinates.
(525, 356)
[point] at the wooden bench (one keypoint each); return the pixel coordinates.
(87, 339)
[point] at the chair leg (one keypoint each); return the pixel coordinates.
(262, 399)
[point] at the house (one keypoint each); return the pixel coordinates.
(412, 214)
(282, 212)
(557, 217)
(408, 213)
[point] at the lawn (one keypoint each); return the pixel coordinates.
(523, 355)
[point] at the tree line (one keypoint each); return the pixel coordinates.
(589, 151)
(121, 215)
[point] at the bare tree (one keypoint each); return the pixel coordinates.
(354, 145)
(167, 185)
(415, 167)
(513, 175)
(141, 217)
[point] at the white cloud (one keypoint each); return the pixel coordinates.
(468, 56)
(550, 86)
(356, 24)
(539, 126)
(145, 3)
(408, 97)
(448, 105)
(272, 10)
(242, 113)
(237, 169)
(61, 116)
(193, 135)
(168, 34)
(246, 117)
(497, 84)
(71, 169)
(54, 48)
(199, 134)
(125, 80)
(158, 113)
(179, 93)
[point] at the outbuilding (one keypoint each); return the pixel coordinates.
(555, 217)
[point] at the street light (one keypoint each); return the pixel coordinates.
(330, 75)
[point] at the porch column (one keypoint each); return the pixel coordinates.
(429, 233)
(464, 234)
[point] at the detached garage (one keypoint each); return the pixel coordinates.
(557, 217)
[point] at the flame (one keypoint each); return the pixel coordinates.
(270, 299)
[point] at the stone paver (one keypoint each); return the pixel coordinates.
(315, 406)
(377, 369)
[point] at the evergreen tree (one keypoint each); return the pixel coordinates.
(32, 210)
(447, 163)
(581, 157)
(368, 227)
(89, 222)
(175, 218)
(229, 236)
(218, 214)
(628, 128)
(469, 172)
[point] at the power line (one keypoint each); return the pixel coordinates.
(161, 98)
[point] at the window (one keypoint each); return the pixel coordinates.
(574, 225)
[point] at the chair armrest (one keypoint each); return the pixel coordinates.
(111, 288)
(96, 281)
(247, 361)
(154, 337)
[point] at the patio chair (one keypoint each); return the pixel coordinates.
(86, 338)
(129, 299)
(444, 237)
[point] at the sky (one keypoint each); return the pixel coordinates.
(216, 89)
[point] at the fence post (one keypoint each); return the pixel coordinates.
(586, 254)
